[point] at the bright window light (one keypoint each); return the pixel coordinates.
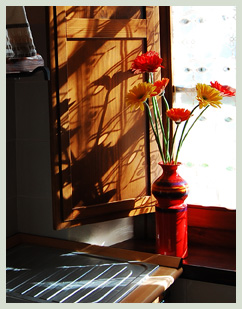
(204, 50)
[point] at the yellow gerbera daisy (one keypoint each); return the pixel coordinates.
(138, 95)
(207, 95)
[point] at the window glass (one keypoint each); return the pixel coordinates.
(204, 50)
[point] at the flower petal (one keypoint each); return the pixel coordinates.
(225, 91)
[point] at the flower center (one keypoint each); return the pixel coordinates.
(141, 96)
(204, 98)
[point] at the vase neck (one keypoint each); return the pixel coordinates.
(169, 168)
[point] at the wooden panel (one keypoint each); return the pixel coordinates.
(110, 12)
(214, 226)
(106, 28)
(104, 162)
(166, 54)
(212, 237)
(56, 111)
(107, 139)
(153, 43)
(59, 116)
(212, 217)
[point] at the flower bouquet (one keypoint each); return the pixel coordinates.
(207, 95)
(170, 189)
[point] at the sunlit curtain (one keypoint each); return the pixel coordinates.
(204, 50)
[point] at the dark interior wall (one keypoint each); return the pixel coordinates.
(29, 198)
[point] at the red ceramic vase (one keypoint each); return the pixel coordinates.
(171, 190)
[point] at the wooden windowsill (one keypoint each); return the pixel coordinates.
(204, 262)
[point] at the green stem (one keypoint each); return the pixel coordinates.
(160, 120)
(181, 138)
(156, 112)
(194, 123)
(151, 78)
(157, 117)
(168, 128)
(162, 130)
(173, 140)
(156, 134)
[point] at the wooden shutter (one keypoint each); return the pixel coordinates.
(102, 157)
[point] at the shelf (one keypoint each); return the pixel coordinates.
(43, 69)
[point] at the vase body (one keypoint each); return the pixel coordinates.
(170, 191)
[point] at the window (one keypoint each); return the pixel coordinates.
(204, 50)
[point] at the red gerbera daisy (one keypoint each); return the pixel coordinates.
(225, 91)
(148, 62)
(178, 114)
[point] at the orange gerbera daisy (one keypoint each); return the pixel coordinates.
(178, 114)
(161, 85)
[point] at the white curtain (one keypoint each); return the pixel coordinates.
(19, 40)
